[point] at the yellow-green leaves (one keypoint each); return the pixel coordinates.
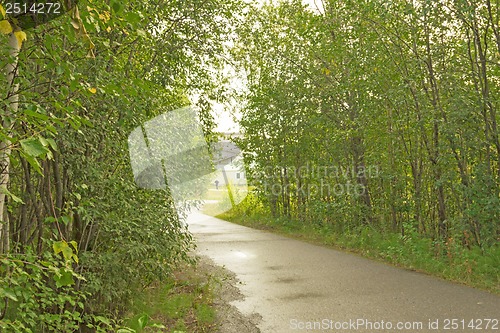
(77, 23)
(105, 16)
(5, 27)
(64, 275)
(21, 37)
(69, 252)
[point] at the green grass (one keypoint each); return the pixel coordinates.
(475, 267)
(218, 200)
(213, 194)
(184, 303)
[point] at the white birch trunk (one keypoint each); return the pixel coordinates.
(5, 148)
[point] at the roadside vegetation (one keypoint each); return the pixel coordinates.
(79, 241)
(182, 303)
(474, 267)
(373, 125)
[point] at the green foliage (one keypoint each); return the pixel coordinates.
(138, 323)
(39, 293)
(75, 227)
(396, 99)
(182, 304)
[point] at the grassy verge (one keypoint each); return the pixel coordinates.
(182, 304)
(475, 267)
(217, 201)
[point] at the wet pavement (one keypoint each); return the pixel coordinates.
(299, 287)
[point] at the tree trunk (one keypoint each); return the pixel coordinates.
(5, 148)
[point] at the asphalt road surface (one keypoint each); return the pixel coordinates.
(298, 287)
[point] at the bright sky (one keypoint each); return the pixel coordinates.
(224, 120)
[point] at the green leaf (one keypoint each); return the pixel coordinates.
(65, 249)
(86, 122)
(45, 263)
(43, 141)
(143, 320)
(65, 220)
(9, 293)
(103, 320)
(52, 143)
(34, 163)
(132, 17)
(5, 191)
(64, 278)
(34, 147)
(117, 7)
(59, 246)
(75, 245)
(125, 330)
(50, 219)
(31, 113)
(67, 252)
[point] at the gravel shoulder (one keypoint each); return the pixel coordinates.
(226, 291)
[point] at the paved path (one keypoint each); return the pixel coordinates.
(299, 287)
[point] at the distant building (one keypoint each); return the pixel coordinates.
(229, 161)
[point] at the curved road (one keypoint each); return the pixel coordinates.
(298, 287)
